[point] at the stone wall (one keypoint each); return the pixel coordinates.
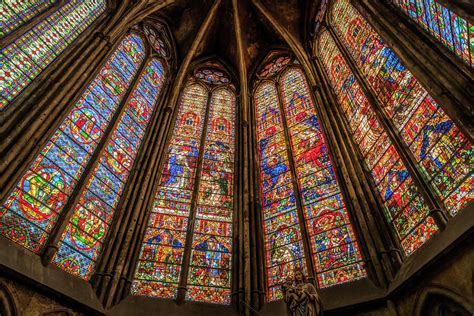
(20, 299)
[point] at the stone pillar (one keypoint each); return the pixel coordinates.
(247, 265)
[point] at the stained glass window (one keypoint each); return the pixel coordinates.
(442, 151)
(446, 26)
(26, 57)
(209, 273)
(403, 204)
(197, 179)
(82, 241)
(15, 13)
(283, 241)
(289, 133)
(32, 209)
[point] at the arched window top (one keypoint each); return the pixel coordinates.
(274, 66)
(134, 47)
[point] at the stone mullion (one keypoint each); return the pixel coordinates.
(125, 221)
(255, 226)
(27, 132)
(51, 246)
(438, 212)
(238, 205)
(446, 78)
(385, 241)
(22, 29)
(238, 200)
(256, 205)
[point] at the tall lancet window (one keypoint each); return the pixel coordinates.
(450, 29)
(31, 53)
(188, 239)
(68, 196)
(300, 195)
(404, 206)
(442, 152)
(16, 13)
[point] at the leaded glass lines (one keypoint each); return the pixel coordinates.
(441, 150)
(159, 266)
(211, 254)
(85, 233)
(16, 13)
(197, 183)
(284, 250)
(292, 149)
(26, 57)
(447, 27)
(336, 254)
(403, 204)
(32, 209)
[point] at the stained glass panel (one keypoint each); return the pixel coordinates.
(332, 239)
(212, 76)
(32, 209)
(26, 57)
(159, 264)
(446, 26)
(403, 203)
(210, 267)
(436, 142)
(81, 242)
(15, 13)
(283, 245)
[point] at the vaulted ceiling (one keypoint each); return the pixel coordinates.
(258, 36)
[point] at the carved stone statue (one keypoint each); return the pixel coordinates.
(301, 297)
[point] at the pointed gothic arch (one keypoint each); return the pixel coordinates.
(292, 149)
(195, 200)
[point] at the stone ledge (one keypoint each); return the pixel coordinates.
(26, 266)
